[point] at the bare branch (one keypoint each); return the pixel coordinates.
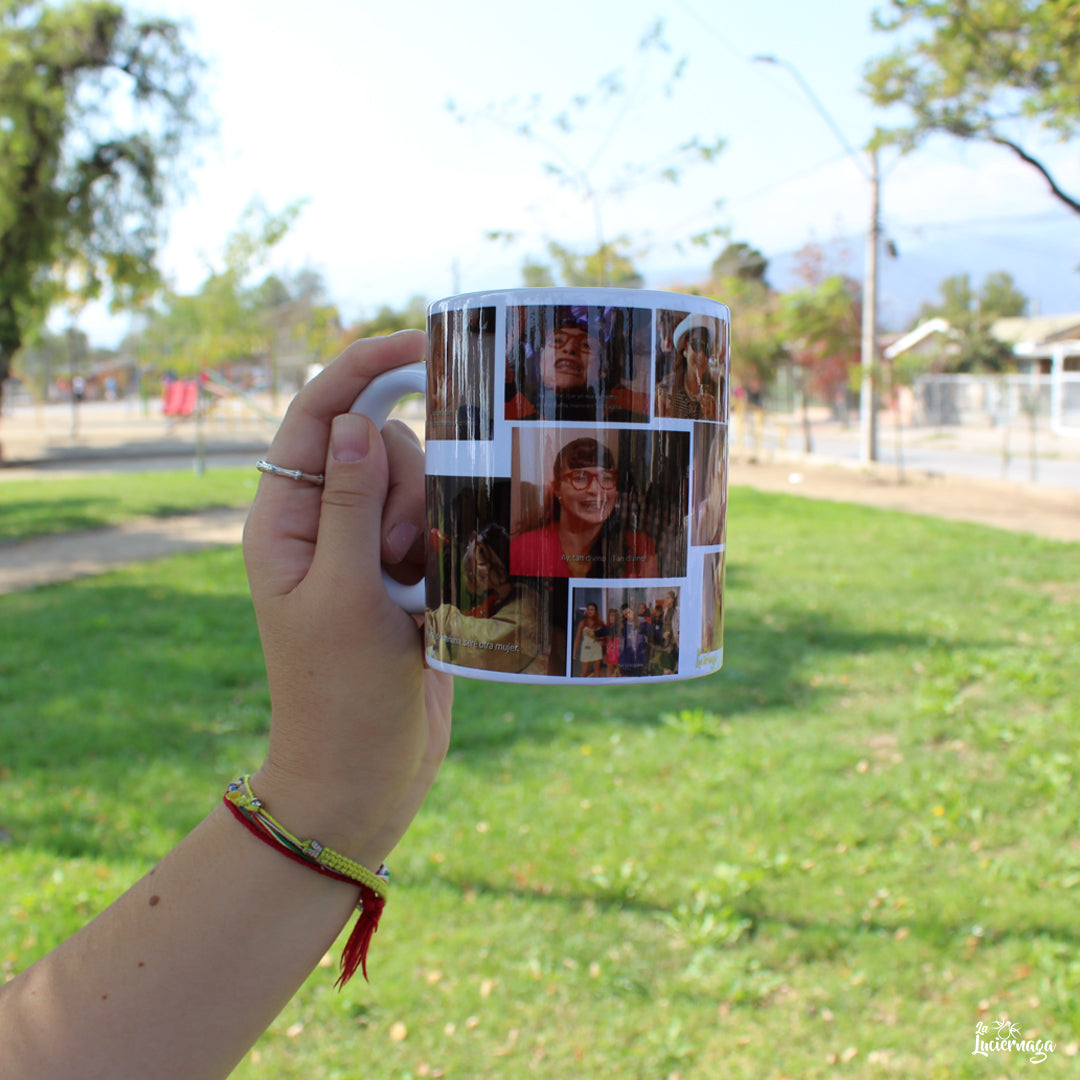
(1022, 154)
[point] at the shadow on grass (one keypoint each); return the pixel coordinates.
(767, 666)
(106, 679)
(800, 938)
(72, 514)
(32, 519)
(160, 665)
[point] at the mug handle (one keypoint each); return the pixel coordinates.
(375, 402)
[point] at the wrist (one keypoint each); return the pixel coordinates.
(251, 810)
(311, 812)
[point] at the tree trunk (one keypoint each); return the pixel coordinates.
(10, 342)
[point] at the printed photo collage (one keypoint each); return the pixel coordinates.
(566, 446)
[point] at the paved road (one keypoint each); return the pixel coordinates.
(976, 453)
(983, 465)
(117, 436)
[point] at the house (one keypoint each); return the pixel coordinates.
(1047, 351)
(1042, 343)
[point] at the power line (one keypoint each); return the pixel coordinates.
(1047, 216)
(725, 41)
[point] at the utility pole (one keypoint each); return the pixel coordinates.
(868, 443)
(868, 440)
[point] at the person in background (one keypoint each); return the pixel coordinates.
(611, 644)
(588, 639)
(633, 645)
(666, 656)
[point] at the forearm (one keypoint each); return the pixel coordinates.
(182, 974)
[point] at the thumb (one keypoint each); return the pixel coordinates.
(350, 520)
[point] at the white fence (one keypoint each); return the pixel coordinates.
(1000, 401)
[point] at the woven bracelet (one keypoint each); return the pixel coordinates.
(248, 809)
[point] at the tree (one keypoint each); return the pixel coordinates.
(95, 109)
(610, 264)
(823, 323)
(227, 317)
(53, 357)
(999, 296)
(738, 279)
(388, 320)
(302, 321)
(971, 316)
(577, 140)
(989, 70)
(740, 260)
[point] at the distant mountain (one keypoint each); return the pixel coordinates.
(1049, 279)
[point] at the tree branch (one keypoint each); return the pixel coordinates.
(1070, 202)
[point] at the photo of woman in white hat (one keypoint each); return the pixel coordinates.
(692, 386)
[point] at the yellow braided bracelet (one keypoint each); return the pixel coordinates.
(241, 796)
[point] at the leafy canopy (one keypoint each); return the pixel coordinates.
(971, 315)
(738, 279)
(232, 317)
(95, 109)
(823, 323)
(998, 71)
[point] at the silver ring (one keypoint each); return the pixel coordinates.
(291, 474)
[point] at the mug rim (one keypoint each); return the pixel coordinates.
(590, 295)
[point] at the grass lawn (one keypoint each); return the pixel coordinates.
(32, 506)
(834, 858)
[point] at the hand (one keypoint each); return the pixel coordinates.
(359, 725)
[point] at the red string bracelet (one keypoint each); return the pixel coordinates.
(248, 809)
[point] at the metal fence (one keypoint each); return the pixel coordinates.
(1000, 400)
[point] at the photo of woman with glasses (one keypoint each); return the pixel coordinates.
(586, 529)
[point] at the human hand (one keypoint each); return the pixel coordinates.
(359, 725)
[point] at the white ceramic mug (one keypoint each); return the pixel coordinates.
(576, 447)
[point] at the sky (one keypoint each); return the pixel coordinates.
(344, 104)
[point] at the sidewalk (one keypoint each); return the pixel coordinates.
(50, 435)
(42, 437)
(52, 559)
(112, 431)
(1013, 455)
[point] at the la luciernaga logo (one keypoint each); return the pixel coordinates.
(1005, 1038)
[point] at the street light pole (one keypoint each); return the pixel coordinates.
(868, 441)
(868, 449)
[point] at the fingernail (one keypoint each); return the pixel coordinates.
(398, 541)
(350, 438)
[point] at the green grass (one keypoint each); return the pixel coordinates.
(32, 507)
(832, 859)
